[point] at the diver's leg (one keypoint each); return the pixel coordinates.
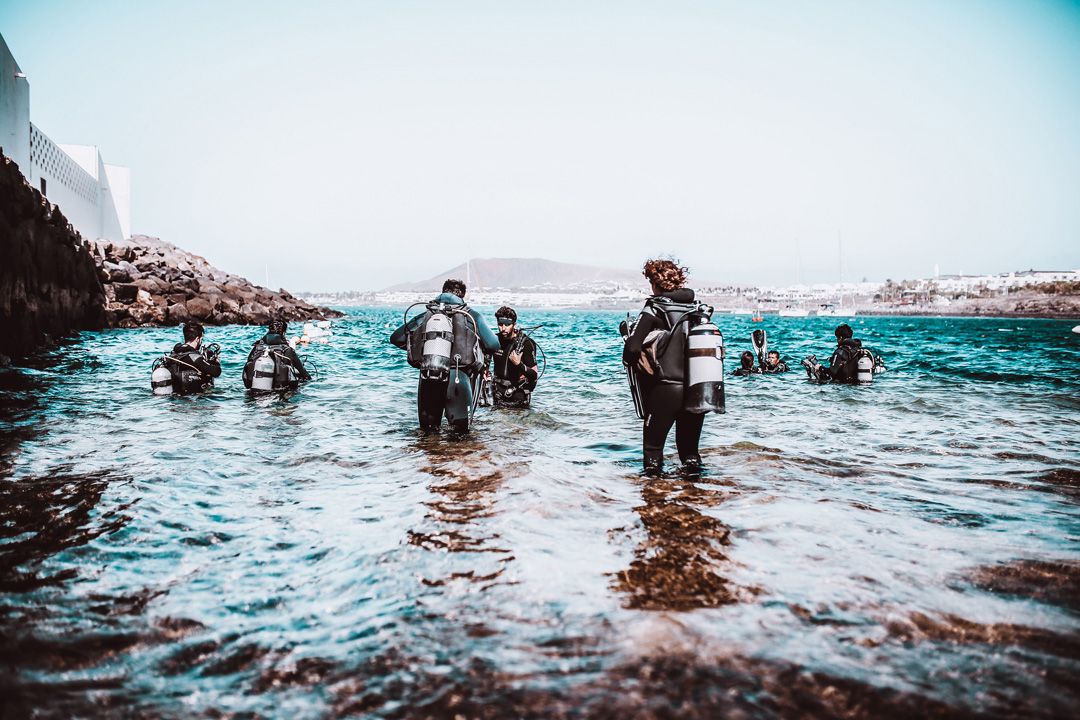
(430, 401)
(662, 404)
(688, 437)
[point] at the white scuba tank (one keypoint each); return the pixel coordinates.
(705, 369)
(263, 375)
(438, 343)
(864, 369)
(161, 380)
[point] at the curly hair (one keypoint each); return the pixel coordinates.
(667, 275)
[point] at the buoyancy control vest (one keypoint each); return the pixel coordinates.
(446, 337)
(269, 369)
(690, 351)
(184, 378)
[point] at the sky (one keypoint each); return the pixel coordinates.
(354, 145)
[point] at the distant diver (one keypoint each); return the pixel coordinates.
(674, 359)
(769, 362)
(850, 362)
(189, 368)
(447, 343)
(273, 365)
(747, 366)
(515, 364)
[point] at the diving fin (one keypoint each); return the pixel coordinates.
(760, 341)
(631, 373)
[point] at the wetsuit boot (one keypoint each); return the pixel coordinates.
(654, 464)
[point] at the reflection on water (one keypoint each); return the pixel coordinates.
(904, 549)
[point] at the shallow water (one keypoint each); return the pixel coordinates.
(908, 548)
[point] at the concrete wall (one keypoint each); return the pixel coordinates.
(76, 178)
(119, 180)
(67, 184)
(14, 110)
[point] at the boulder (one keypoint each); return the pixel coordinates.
(199, 309)
(125, 292)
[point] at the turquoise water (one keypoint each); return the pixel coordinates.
(902, 549)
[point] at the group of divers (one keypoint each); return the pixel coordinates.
(673, 356)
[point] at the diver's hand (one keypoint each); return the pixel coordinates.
(643, 363)
(515, 357)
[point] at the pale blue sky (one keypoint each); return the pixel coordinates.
(352, 145)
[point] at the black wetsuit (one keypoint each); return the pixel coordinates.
(839, 367)
(431, 394)
(662, 400)
(187, 358)
(519, 380)
(781, 367)
(281, 347)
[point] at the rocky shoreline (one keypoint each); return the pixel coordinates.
(149, 282)
(53, 282)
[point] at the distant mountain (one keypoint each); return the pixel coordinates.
(520, 273)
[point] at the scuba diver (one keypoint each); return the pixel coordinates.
(769, 362)
(673, 356)
(189, 368)
(447, 343)
(746, 365)
(773, 364)
(272, 363)
(850, 362)
(515, 363)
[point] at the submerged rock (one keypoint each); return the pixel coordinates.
(149, 281)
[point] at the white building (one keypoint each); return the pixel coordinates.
(94, 195)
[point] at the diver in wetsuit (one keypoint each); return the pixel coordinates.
(193, 367)
(746, 365)
(289, 370)
(773, 364)
(433, 396)
(663, 400)
(515, 363)
(841, 366)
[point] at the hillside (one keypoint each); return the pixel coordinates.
(518, 273)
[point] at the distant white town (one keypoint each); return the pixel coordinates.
(941, 293)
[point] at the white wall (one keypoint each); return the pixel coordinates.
(66, 183)
(118, 178)
(76, 178)
(14, 110)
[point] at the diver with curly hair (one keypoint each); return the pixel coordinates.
(662, 382)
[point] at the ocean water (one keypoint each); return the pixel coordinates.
(909, 548)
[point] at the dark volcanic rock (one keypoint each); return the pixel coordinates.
(148, 281)
(49, 286)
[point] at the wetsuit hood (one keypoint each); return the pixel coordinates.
(274, 339)
(447, 298)
(680, 295)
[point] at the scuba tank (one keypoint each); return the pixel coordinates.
(438, 341)
(263, 376)
(705, 367)
(864, 369)
(161, 379)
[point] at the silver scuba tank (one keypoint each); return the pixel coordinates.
(705, 369)
(864, 369)
(438, 343)
(161, 379)
(263, 373)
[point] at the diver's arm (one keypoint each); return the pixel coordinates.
(632, 349)
(400, 337)
(208, 367)
(487, 338)
(296, 362)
